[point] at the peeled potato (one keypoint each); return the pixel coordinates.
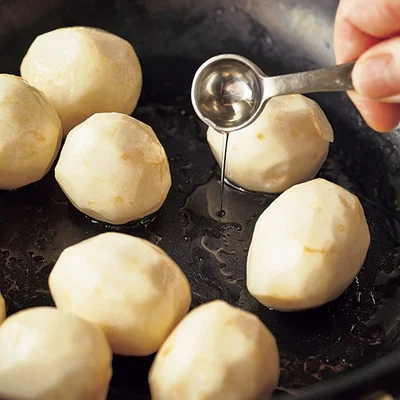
(307, 246)
(2, 309)
(287, 144)
(47, 354)
(129, 287)
(84, 71)
(216, 352)
(30, 133)
(113, 168)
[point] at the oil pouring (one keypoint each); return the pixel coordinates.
(229, 92)
(225, 140)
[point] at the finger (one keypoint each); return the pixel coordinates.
(376, 18)
(360, 25)
(349, 42)
(381, 117)
(376, 74)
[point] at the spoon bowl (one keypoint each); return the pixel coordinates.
(227, 92)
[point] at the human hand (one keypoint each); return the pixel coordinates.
(369, 30)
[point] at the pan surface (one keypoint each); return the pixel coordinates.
(172, 39)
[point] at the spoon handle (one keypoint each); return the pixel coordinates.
(333, 79)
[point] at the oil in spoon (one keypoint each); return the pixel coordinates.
(225, 137)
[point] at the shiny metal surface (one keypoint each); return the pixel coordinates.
(230, 91)
(227, 91)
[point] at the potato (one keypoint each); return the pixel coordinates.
(287, 144)
(113, 168)
(84, 71)
(47, 354)
(129, 287)
(216, 352)
(307, 247)
(30, 133)
(2, 309)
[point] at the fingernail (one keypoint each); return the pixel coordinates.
(371, 76)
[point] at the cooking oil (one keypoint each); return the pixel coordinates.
(225, 140)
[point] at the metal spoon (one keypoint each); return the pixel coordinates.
(230, 91)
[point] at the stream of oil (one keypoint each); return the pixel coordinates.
(225, 139)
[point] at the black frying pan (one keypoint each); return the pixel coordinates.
(342, 350)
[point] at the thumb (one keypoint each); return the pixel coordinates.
(376, 74)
